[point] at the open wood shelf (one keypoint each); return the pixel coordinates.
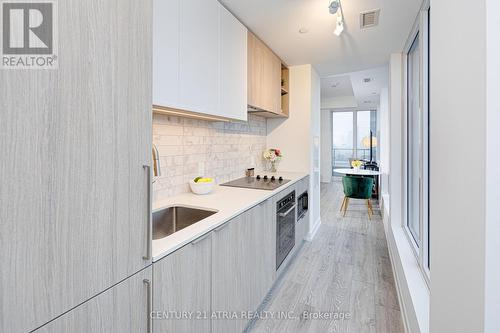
(285, 86)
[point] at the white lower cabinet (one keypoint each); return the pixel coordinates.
(121, 308)
(181, 299)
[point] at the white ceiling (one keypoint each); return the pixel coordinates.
(351, 91)
(335, 86)
(277, 23)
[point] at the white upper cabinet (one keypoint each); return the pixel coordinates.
(199, 58)
(233, 94)
(166, 52)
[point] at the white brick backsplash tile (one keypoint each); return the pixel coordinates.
(170, 150)
(194, 158)
(168, 140)
(222, 149)
(193, 140)
(196, 149)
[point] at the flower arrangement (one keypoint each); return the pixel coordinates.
(356, 164)
(272, 156)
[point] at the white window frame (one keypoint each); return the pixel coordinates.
(354, 130)
(420, 28)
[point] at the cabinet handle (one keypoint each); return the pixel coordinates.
(149, 324)
(148, 227)
(199, 239)
(222, 227)
(287, 212)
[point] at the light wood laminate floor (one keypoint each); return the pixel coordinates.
(345, 269)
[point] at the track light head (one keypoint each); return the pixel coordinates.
(334, 6)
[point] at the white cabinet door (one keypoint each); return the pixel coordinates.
(199, 56)
(73, 142)
(166, 34)
(233, 93)
(122, 308)
(182, 285)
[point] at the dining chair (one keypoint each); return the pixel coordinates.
(356, 187)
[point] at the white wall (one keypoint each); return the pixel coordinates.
(316, 150)
(396, 136)
(326, 146)
(464, 294)
(295, 135)
(339, 102)
(492, 262)
(409, 282)
(457, 165)
(383, 142)
(412, 289)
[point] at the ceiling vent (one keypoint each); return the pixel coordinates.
(369, 19)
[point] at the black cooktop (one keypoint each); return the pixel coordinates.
(258, 183)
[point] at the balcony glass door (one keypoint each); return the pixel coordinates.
(343, 139)
(366, 121)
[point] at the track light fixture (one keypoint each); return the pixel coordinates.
(335, 7)
(339, 26)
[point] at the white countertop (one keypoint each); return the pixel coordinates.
(229, 202)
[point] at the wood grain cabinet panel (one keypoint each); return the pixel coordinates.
(242, 266)
(264, 78)
(122, 308)
(182, 283)
(73, 194)
(258, 63)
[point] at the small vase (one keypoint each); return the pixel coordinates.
(273, 167)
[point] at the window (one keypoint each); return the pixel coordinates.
(366, 123)
(413, 140)
(342, 134)
(351, 136)
(417, 142)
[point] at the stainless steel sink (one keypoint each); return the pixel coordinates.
(171, 219)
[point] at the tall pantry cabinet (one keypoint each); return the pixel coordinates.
(73, 145)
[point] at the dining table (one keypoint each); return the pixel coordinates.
(357, 172)
(362, 173)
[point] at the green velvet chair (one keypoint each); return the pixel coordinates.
(356, 187)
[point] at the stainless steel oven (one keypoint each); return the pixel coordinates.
(285, 227)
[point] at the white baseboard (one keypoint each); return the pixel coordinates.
(313, 230)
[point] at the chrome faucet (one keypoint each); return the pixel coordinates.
(156, 163)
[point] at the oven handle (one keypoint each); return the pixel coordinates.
(287, 212)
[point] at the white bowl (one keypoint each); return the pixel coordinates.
(201, 188)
